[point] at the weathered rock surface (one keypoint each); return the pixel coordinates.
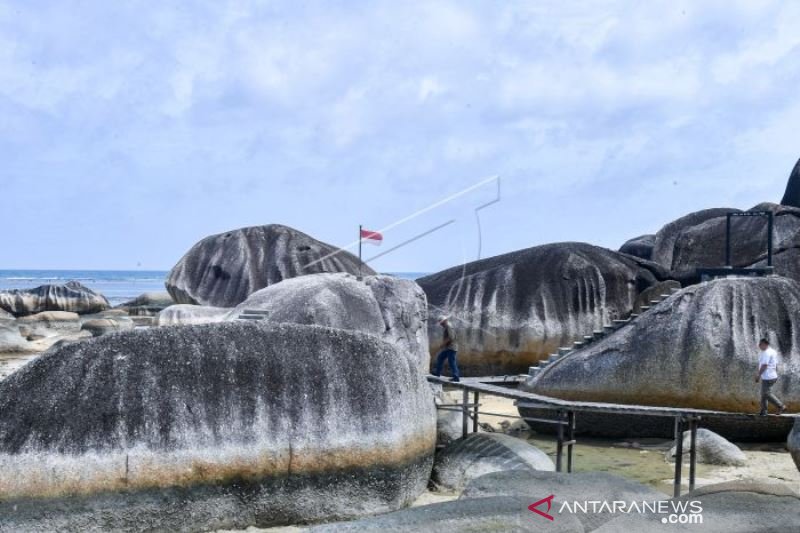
(223, 270)
(10, 339)
(703, 245)
(641, 246)
(212, 427)
(449, 423)
(72, 296)
(664, 247)
(481, 453)
(511, 311)
(711, 449)
(792, 195)
(793, 442)
(5, 315)
(695, 349)
(574, 487)
(500, 514)
(656, 292)
(187, 315)
(147, 304)
(732, 507)
(391, 308)
(49, 323)
(104, 326)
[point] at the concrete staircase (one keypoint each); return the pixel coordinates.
(595, 336)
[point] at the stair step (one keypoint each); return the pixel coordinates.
(621, 322)
(588, 338)
(577, 344)
(634, 315)
(565, 350)
(644, 308)
(251, 317)
(255, 312)
(654, 302)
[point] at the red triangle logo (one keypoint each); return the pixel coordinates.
(549, 500)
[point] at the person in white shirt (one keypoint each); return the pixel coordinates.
(768, 375)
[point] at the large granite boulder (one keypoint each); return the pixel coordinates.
(698, 349)
(388, 307)
(223, 270)
(189, 315)
(664, 247)
(147, 304)
(512, 310)
(793, 442)
(568, 488)
(475, 515)
(641, 246)
(49, 323)
(481, 453)
(792, 195)
(216, 426)
(703, 245)
(730, 507)
(72, 296)
(711, 449)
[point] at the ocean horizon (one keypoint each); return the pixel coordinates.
(118, 286)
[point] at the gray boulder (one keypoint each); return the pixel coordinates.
(568, 488)
(512, 310)
(449, 422)
(188, 315)
(147, 304)
(104, 326)
(664, 247)
(11, 341)
(481, 453)
(641, 246)
(656, 292)
(223, 270)
(792, 195)
(793, 442)
(391, 308)
(711, 449)
(72, 296)
(219, 426)
(473, 515)
(696, 349)
(49, 323)
(500, 514)
(703, 245)
(731, 507)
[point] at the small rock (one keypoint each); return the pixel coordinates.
(711, 449)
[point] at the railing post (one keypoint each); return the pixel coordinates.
(678, 455)
(770, 224)
(570, 438)
(692, 452)
(560, 443)
(728, 240)
(475, 413)
(465, 413)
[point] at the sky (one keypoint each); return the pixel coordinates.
(129, 130)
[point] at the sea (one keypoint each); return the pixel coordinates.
(118, 286)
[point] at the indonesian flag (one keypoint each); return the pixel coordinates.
(372, 237)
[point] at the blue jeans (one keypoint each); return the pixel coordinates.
(450, 355)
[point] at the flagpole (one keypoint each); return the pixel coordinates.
(359, 251)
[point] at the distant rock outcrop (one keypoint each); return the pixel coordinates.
(792, 195)
(391, 308)
(641, 247)
(481, 453)
(223, 270)
(147, 304)
(191, 315)
(695, 349)
(72, 296)
(219, 426)
(104, 326)
(49, 323)
(512, 310)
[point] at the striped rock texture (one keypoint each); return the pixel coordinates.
(72, 296)
(223, 270)
(482, 453)
(391, 308)
(697, 348)
(209, 427)
(512, 310)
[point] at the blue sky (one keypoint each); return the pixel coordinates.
(130, 130)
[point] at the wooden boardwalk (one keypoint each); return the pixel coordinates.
(565, 412)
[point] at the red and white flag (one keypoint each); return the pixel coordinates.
(372, 237)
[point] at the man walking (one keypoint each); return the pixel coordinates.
(449, 350)
(768, 375)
